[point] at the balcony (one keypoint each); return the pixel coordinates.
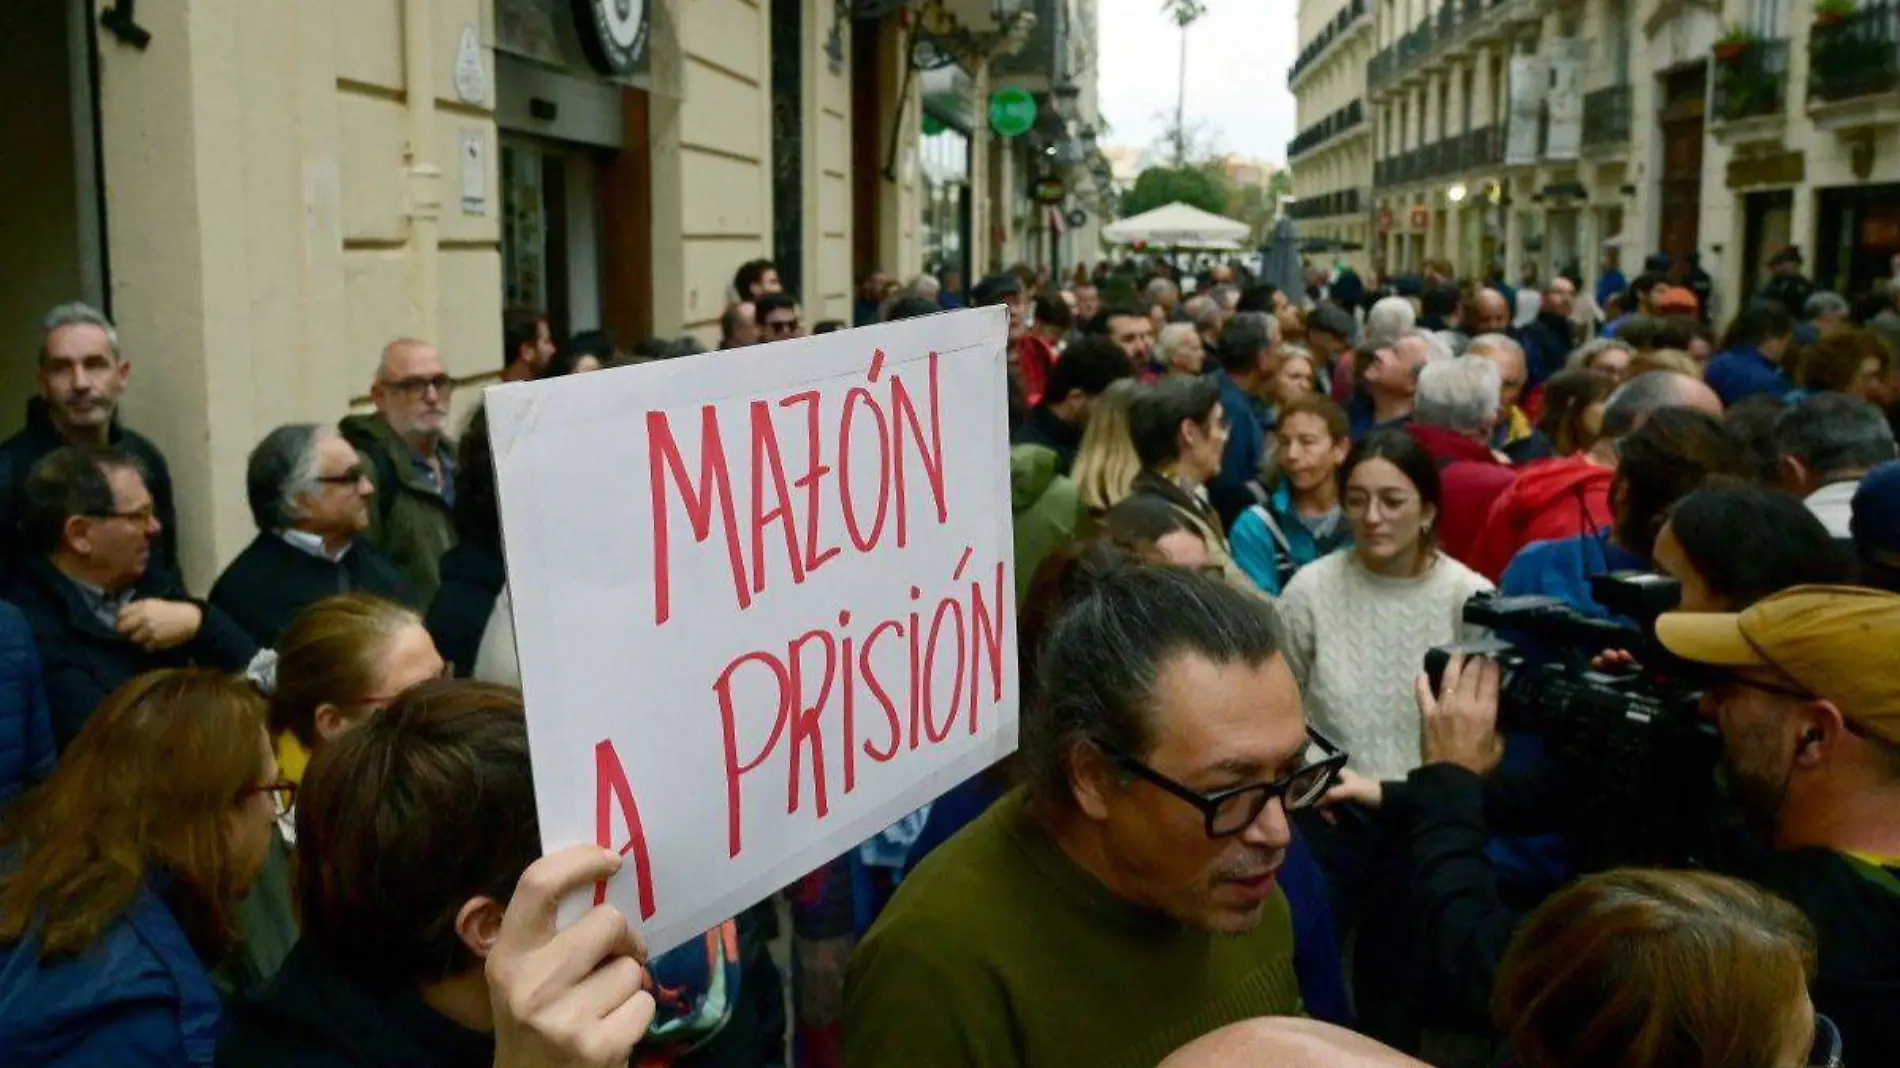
(1341, 24)
(1328, 205)
(1751, 90)
(1455, 24)
(1347, 118)
(1854, 68)
(1042, 58)
(1606, 118)
(1483, 147)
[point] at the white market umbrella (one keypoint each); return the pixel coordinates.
(1179, 226)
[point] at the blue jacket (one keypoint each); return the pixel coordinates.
(138, 997)
(1562, 568)
(26, 727)
(1246, 450)
(1270, 543)
(1609, 284)
(1744, 372)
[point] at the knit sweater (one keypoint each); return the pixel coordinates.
(1000, 951)
(1356, 641)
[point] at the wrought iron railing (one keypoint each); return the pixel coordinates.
(1606, 117)
(1346, 118)
(1856, 55)
(1334, 29)
(1750, 81)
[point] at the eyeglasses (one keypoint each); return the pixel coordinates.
(1229, 812)
(419, 384)
(1827, 1045)
(347, 478)
(781, 326)
(141, 516)
(283, 795)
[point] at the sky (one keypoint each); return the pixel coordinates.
(1238, 54)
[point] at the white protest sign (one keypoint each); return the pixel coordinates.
(763, 601)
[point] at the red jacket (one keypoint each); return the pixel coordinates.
(1470, 479)
(1558, 498)
(1034, 358)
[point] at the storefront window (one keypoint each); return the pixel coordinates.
(945, 164)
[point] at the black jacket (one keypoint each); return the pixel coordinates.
(272, 580)
(1044, 427)
(311, 1015)
(84, 660)
(472, 577)
(39, 438)
(1547, 342)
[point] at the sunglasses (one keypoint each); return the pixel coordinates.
(781, 326)
(1229, 812)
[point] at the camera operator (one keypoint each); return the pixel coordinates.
(1807, 697)
(1458, 799)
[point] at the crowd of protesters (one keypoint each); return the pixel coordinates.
(291, 820)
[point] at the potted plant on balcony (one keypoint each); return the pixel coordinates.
(1832, 14)
(1735, 43)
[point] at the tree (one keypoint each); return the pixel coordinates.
(1185, 13)
(1205, 187)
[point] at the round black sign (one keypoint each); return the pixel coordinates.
(1077, 217)
(613, 33)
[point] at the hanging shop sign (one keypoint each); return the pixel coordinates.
(1012, 111)
(1050, 190)
(1077, 218)
(613, 33)
(1421, 217)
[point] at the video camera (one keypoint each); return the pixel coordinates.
(1633, 758)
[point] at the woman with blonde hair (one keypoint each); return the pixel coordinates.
(1106, 463)
(1655, 969)
(122, 874)
(342, 659)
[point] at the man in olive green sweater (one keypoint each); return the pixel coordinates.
(1123, 902)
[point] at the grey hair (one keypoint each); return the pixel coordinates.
(1461, 394)
(1172, 337)
(1834, 434)
(1204, 312)
(1642, 396)
(1161, 287)
(282, 468)
(1586, 354)
(1388, 321)
(1437, 348)
(1226, 295)
(1261, 321)
(1823, 302)
(1495, 343)
(1103, 660)
(77, 313)
(926, 285)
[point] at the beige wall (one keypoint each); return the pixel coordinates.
(712, 166)
(40, 257)
(275, 236)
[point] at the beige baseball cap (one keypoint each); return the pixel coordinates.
(1839, 643)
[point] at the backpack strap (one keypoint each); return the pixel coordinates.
(1873, 873)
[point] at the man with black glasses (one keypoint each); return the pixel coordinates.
(411, 460)
(100, 611)
(311, 497)
(1125, 900)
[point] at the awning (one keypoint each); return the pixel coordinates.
(1178, 226)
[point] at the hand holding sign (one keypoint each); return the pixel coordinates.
(575, 999)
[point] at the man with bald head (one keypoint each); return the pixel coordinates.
(1570, 496)
(1286, 1042)
(1517, 438)
(405, 446)
(1490, 313)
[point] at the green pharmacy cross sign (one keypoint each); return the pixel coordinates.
(1012, 111)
